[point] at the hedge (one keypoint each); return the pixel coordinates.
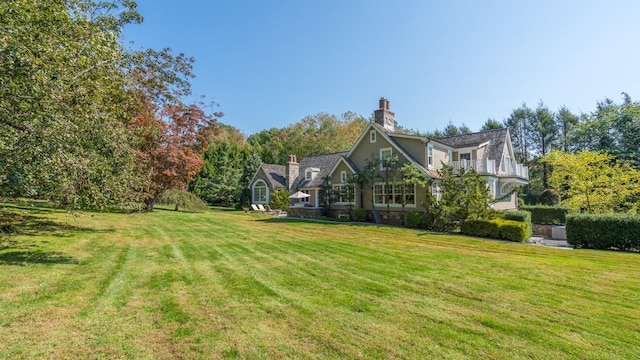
(524, 216)
(497, 228)
(541, 214)
(604, 231)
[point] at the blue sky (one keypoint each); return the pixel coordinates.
(270, 63)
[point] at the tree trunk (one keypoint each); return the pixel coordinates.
(150, 203)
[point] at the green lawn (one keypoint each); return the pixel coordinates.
(226, 284)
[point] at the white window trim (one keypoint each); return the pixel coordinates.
(430, 159)
(343, 176)
(306, 199)
(390, 150)
(344, 202)
(465, 153)
(372, 136)
(262, 183)
(393, 186)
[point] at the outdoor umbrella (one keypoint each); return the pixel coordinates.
(299, 195)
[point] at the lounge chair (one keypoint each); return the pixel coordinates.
(261, 208)
(254, 207)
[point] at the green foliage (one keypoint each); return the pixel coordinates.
(550, 197)
(182, 200)
(279, 199)
(594, 182)
(225, 173)
(497, 228)
(360, 215)
(541, 214)
(414, 219)
(522, 216)
(604, 231)
(465, 196)
(64, 104)
(313, 135)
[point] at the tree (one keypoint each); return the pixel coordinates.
(64, 104)
(280, 199)
(594, 182)
(566, 123)
(491, 124)
(544, 134)
(465, 195)
(174, 137)
(328, 195)
(518, 124)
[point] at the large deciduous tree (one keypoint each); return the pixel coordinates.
(174, 137)
(592, 181)
(63, 103)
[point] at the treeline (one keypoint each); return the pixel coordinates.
(612, 127)
(232, 158)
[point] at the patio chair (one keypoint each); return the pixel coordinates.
(261, 208)
(254, 207)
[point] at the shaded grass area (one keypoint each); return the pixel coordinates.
(226, 284)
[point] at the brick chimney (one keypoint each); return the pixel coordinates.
(384, 116)
(292, 170)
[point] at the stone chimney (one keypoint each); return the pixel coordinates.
(384, 116)
(292, 170)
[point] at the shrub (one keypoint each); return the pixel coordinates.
(280, 199)
(182, 199)
(360, 215)
(523, 216)
(497, 228)
(541, 214)
(549, 197)
(604, 231)
(483, 228)
(413, 219)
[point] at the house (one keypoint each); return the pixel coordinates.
(490, 153)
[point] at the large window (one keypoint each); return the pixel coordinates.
(344, 194)
(260, 192)
(393, 194)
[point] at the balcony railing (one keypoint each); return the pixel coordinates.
(488, 167)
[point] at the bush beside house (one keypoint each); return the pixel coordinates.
(541, 214)
(604, 231)
(497, 228)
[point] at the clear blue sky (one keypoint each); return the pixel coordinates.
(270, 63)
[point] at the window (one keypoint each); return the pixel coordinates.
(344, 194)
(343, 176)
(393, 194)
(465, 156)
(310, 173)
(260, 192)
(435, 190)
(372, 136)
(305, 200)
(384, 155)
(430, 155)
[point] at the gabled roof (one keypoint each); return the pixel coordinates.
(323, 162)
(276, 175)
(495, 139)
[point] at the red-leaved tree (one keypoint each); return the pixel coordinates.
(172, 138)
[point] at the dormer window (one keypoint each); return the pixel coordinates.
(372, 136)
(311, 173)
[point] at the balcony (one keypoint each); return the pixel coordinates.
(488, 167)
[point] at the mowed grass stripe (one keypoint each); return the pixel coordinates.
(232, 285)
